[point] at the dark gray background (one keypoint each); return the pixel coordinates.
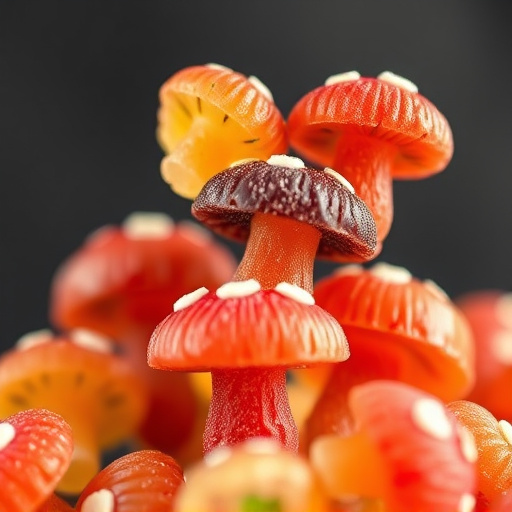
(78, 97)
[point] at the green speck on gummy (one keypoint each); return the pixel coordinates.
(257, 504)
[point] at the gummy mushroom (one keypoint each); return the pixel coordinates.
(210, 116)
(122, 282)
(96, 391)
(489, 314)
(493, 439)
(145, 480)
(247, 337)
(399, 328)
(35, 451)
(256, 475)
(408, 452)
(288, 214)
(371, 130)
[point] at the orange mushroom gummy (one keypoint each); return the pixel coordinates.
(145, 480)
(493, 439)
(257, 475)
(371, 130)
(96, 391)
(247, 337)
(408, 452)
(489, 313)
(35, 451)
(400, 328)
(211, 116)
(55, 504)
(122, 282)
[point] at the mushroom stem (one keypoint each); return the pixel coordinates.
(279, 249)
(248, 403)
(366, 163)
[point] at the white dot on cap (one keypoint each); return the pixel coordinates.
(218, 455)
(236, 289)
(33, 338)
(467, 444)
(347, 76)
(467, 503)
(220, 67)
(286, 161)
(429, 416)
(340, 178)
(91, 340)
(261, 87)
(399, 81)
(189, 299)
(292, 291)
(99, 501)
(391, 273)
(142, 225)
(7, 433)
(506, 430)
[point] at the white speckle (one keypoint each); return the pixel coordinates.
(91, 340)
(399, 81)
(391, 273)
(467, 503)
(435, 289)
(235, 289)
(349, 270)
(31, 339)
(143, 225)
(99, 501)
(501, 346)
(243, 161)
(286, 161)
(261, 87)
(262, 446)
(506, 430)
(467, 444)
(189, 299)
(340, 178)
(348, 76)
(429, 416)
(295, 292)
(504, 310)
(7, 433)
(214, 65)
(218, 455)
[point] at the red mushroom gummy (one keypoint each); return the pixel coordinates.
(372, 130)
(247, 337)
(408, 452)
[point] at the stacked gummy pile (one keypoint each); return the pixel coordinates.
(349, 394)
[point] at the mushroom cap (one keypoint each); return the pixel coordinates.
(489, 314)
(125, 278)
(201, 104)
(256, 472)
(74, 380)
(315, 197)
(247, 328)
(145, 478)
(36, 446)
(377, 109)
(430, 463)
(493, 441)
(387, 312)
